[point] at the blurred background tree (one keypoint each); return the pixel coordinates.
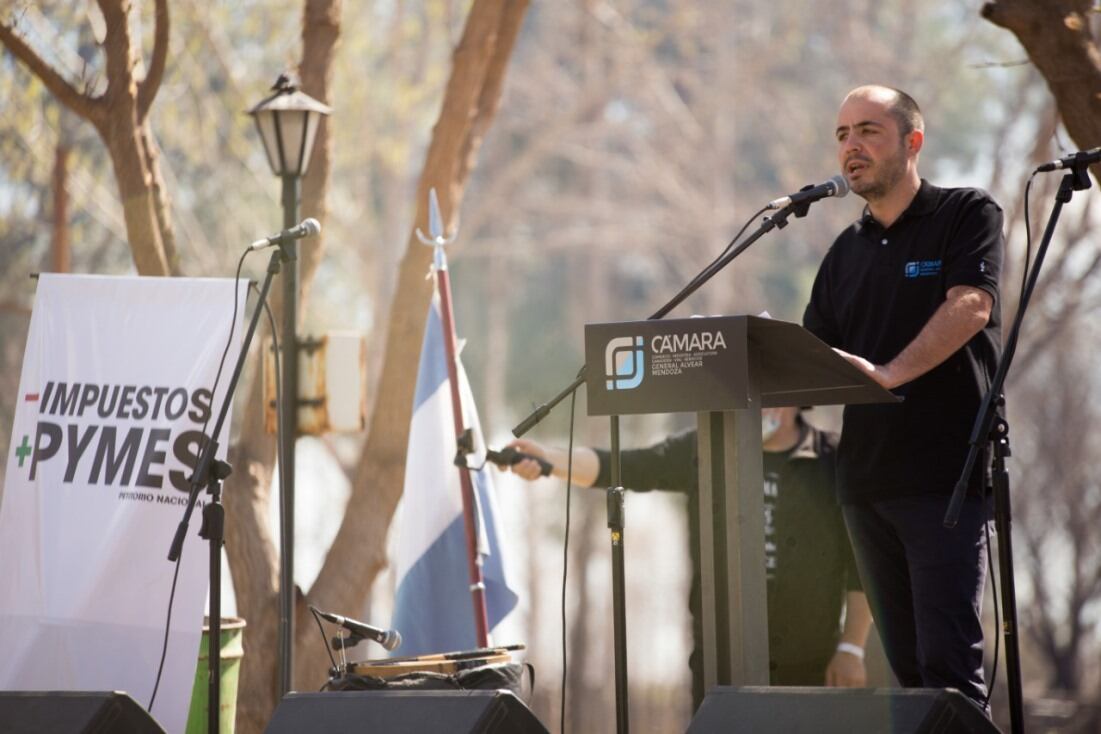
(633, 139)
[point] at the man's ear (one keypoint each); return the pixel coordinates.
(915, 141)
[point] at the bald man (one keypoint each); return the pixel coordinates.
(909, 295)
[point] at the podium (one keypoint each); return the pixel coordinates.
(725, 369)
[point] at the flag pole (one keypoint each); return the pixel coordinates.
(438, 241)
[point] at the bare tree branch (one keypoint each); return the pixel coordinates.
(1056, 35)
(147, 88)
(117, 49)
(87, 107)
(488, 101)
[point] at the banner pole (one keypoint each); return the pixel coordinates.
(443, 287)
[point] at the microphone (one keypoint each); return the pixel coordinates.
(307, 228)
(836, 186)
(1079, 159)
(390, 639)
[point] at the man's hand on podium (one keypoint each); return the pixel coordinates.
(879, 373)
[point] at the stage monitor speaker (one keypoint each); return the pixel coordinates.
(760, 710)
(394, 712)
(73, 712)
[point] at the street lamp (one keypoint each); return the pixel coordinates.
(288, 121)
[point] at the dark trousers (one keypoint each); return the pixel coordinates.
(924, 583)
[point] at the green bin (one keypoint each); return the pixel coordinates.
(232, 652)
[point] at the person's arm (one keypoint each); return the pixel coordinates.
(964, 313)
(586, 464)
(846, 668)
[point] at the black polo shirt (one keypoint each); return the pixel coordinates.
(875, 290)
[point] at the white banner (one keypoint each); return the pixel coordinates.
(114, 392)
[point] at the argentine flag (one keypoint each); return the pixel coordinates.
(433, 607)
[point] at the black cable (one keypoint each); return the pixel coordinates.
(324, 639)
(1028, 240)
(738, 236)
(702, 275)
(566, 556)
(213, 390)
(709, 270)
(989, 554)
(997, 616)
(167, 626)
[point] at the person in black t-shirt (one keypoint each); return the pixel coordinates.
(811, 574)
(909, 295)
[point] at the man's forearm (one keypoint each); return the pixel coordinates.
(586, 465)
(964, 313)
(858, 619)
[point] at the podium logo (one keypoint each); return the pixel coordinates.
(623, 365)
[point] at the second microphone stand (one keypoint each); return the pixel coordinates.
(210, 473)
(991, 429)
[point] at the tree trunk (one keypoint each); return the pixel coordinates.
(60, 256)
(358, 553)
(122, 127)
(350, 568)
(1056, 36)
(320, 34)
(120, 118)
(251, 551)
(124, 144)
(162, 204)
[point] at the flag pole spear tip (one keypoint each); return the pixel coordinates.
(436, 232)
(435, 221)
(436, 236)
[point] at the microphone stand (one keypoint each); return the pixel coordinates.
(616, 515)
(777, 221)
(992, 428)
(210, 472)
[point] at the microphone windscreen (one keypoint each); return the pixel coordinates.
(841, 184)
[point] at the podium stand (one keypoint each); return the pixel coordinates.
(725, 369)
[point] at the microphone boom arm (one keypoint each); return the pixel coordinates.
(777, 221)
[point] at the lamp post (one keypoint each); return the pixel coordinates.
(288, 121)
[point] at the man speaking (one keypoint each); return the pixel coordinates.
(909, 294)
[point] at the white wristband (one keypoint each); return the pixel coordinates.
(854, 650)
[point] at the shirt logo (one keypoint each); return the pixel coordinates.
(922, 268)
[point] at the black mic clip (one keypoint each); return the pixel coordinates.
(1081, 177)
(779, 220)
(1078, 168)
(339, 642)
(800, 210)
(505, 457)
(465, 444)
